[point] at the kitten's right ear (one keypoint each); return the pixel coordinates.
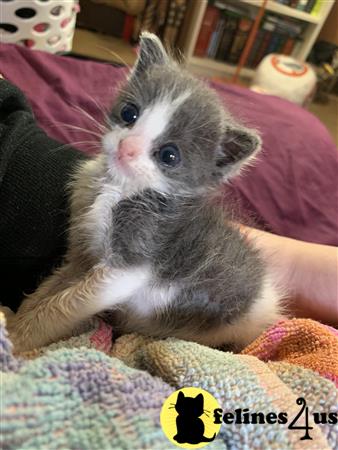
(151, 52)
(199, 398)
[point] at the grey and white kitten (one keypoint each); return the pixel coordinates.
(146, 241)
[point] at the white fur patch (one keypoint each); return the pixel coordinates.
(122, 284)
(135, 286)
(98, 219)
(143, 172)
(153, 298)
(155, 119)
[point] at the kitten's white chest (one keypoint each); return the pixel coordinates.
(98, 220)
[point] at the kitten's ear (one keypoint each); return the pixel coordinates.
(199, 398)
(238, 148)
(151, 52)
(180, 397)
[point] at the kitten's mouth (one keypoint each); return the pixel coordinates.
(125, 166)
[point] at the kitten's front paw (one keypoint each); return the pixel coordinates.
(10, 325)
(16, 338)
(13, 336)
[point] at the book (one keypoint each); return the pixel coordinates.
(208, 24)
(288, 46)
(275, 43)
(227, 37)
(287, 26)
(302, 5)
(257, 43)
(262, 49)
(310, 6)
(316, 8)
(216, 38)
(128, 27)
(240, 38)
(268, 29)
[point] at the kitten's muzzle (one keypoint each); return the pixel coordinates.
(129, 148)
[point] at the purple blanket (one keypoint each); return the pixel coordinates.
(292, 190)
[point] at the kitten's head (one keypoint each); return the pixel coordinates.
(170, 132)
(189, 406)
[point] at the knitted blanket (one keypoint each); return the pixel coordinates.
(85, 393)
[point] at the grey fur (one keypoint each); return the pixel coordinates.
(188, 243)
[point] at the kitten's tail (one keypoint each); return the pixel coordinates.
(205, 439)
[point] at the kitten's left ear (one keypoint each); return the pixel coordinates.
(151, 52)
(180, 397)
(238, 148)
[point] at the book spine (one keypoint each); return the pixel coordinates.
(310, 6)
(215, 38)
(207, 27)
(302, 4)
(316, 9)
(211, 45)
(262, 50)
(128, 27)
(220, 34)
(288, 46)
(240, 38)
(273, 43)
(255, 47)
(281, 42)
(227, 39)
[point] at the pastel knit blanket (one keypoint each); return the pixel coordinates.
(85, 393)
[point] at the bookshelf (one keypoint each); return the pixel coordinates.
(211, 67)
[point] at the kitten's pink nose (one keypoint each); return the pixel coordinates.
(129, 148)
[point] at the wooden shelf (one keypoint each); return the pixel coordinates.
(284, 10)
(203, 66)
(209, 67)
(102, 47)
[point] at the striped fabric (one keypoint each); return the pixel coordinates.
(85, 393)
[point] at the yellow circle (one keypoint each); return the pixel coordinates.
(187, 418)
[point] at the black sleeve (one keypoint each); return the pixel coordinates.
(34, 208)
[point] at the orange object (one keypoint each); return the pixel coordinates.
(250, 41)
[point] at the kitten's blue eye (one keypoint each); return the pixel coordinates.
(169, 155)
(129, 113)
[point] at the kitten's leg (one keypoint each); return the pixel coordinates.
(264, 311)
(60, 304)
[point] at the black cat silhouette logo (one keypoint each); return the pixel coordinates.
(187, 418)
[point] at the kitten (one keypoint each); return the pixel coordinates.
(190, 428)
(146, 241)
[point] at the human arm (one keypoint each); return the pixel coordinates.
(308, 271)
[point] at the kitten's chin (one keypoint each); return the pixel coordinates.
(124, 169)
